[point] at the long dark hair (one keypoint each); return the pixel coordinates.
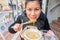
(40, 2)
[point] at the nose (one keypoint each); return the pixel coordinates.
(33, 13)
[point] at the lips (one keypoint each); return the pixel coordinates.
(32, 17)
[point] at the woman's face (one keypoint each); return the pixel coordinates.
(33, 10)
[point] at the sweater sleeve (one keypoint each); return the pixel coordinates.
(11, 30)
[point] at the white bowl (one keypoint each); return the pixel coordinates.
(39, 33)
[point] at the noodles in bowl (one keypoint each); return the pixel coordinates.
(33, 34)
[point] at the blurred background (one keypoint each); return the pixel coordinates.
(10, 9)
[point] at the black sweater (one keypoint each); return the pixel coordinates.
(41, 24)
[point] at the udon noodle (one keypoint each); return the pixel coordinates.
(32, 35)
(32, 21)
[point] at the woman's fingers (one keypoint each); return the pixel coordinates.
(49, 34)
(17, 27)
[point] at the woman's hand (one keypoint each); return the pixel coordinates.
(17, 27)
(49, 34)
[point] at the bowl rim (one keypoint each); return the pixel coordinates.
(40, 33)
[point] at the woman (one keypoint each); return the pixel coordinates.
(33, 12)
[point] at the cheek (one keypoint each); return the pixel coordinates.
(38, 13)
(28, 14)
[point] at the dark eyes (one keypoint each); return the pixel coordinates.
(29, 9)
(36, 9)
